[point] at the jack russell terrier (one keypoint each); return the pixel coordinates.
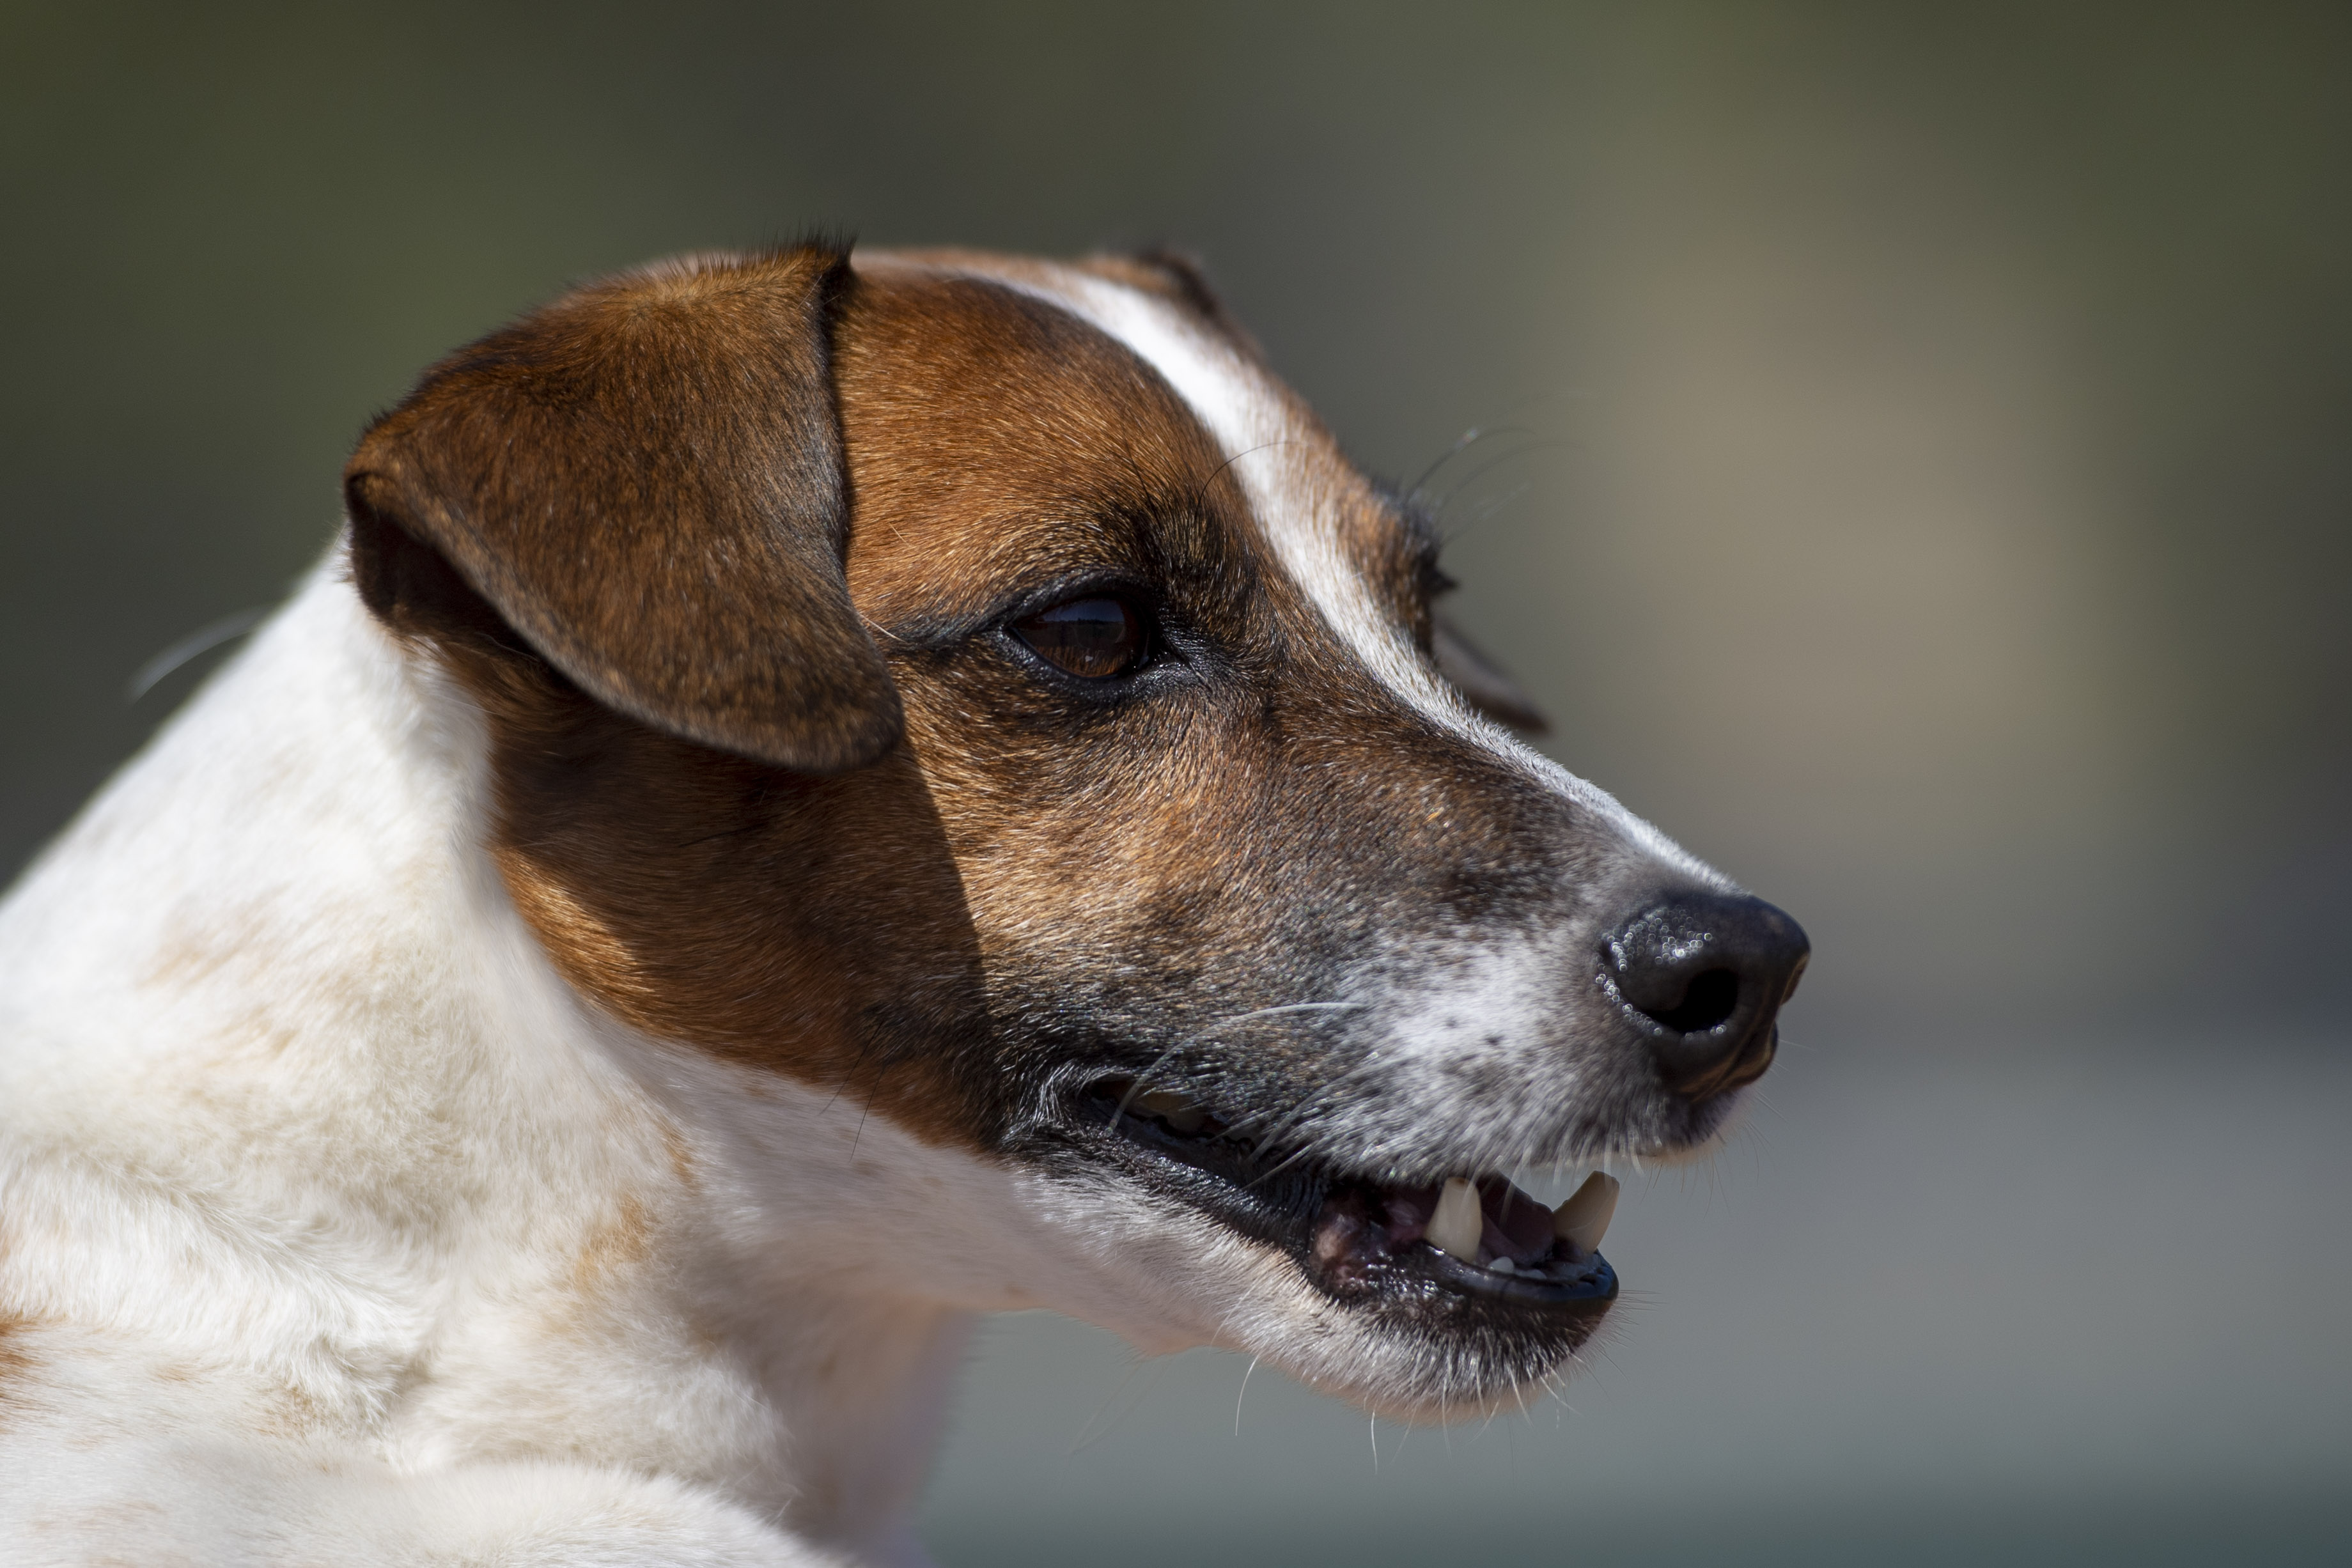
(815, 797)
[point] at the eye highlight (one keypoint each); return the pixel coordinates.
(1093, 637)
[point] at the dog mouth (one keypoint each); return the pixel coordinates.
(1473, 1247)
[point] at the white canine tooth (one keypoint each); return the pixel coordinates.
(1583, 1220)
(1177, 1110)
(1459, 1223)
(1504, 1266)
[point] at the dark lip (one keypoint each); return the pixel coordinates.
(1596, 1286)
(1264, 1201)
(1281, 1202)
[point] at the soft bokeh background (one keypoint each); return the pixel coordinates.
(1922, 479)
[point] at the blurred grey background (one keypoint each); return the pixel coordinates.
(1921, 479)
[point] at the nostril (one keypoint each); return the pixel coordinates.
(1712, 997)
(1705, 973)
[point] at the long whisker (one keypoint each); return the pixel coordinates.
(1489, 510)
(1291, 1119)
(1135, 1084)
(1302, 1152)
(1274, 1118)
(196, 643)
(1514, 455)
(1300, 1107)
(1463, 443)
(1201, 490)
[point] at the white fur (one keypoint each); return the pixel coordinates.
(310, 1167)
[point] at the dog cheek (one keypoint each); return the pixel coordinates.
(809, 928)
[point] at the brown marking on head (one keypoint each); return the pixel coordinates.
(997, 443)
(1039, 871)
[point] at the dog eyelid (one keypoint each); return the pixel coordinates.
(1095, 637)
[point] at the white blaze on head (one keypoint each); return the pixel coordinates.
(1291, 479)
(1273, 456)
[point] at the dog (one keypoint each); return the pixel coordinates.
(815, 795)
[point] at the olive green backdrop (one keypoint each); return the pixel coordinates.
(1920, 466)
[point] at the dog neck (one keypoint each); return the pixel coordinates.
(309, 1062)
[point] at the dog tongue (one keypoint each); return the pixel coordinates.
(1517, 1226)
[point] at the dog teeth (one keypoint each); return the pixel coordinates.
(1583, 1220)
(1178, 1111)
(1459, 1223)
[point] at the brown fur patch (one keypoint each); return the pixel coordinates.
(1040, 868)
(15, 1359)
(613, 1246)
(995, 442)
(288, 1411)
(19, 1365)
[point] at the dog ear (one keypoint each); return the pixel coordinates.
(1483, 682)
(645, 481)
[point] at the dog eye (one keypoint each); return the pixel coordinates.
(1093, 637)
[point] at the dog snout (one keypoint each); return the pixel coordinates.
(1704, 975)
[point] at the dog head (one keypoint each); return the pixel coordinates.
(978, 688)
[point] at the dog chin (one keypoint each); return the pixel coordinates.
(1166, 1278)
(1402, 1297)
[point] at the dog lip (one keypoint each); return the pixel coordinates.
(1356, 1238)
(1591, 1283)
(1370, 1234)
(1278, 1197)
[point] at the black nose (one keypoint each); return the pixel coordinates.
(1704, 974)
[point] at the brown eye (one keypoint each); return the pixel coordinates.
(1094, 638)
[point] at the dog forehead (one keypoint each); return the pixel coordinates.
(1324, 526)
(1330, 534)
(1089, 395)
(995, 438)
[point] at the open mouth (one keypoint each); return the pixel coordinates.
(1472, 1243)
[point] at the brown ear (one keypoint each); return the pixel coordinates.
(645, 480)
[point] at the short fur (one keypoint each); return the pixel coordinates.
(541, 1061)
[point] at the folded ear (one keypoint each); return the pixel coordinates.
(645, 480)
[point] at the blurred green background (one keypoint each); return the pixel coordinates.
(1924, 466)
